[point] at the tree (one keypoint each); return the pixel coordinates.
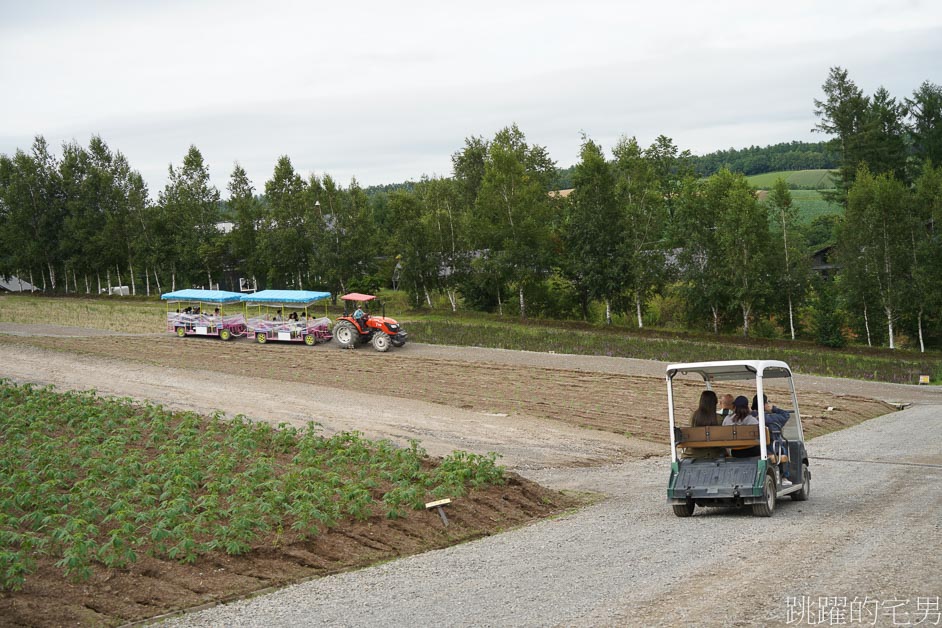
(595, 230)
(244, 240)
(924, 296)
(647, 186)
(842, 113)
(189, 209)
(925, 112)
(513, 210)
(883, 142)
(33, 212)
(287, 249)
(792, 265)
(876, 236)
(743, 235)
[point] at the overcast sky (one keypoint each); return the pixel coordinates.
(387, 91)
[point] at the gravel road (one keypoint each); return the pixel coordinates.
(871, 528)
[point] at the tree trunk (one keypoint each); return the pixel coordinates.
(173, 277)
(75, 281)
(523, 305)
(42, 275)
(428, 298)
(117, 271)
(108, 278)
(867, 326)
(209, 278)
(453, 299)
(98, 274)
(608, 312)
(88, 289)
(300, 287)
(32, 284)
(889, 326)
(147, 279)
(500, 305)
(157, 281)
(716, 319)
(745, 318)
(791, 317)
(66, 273)
(133, 285)
(922, 344)
(52, 276)
(638, 310)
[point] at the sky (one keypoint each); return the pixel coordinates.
(388, 91)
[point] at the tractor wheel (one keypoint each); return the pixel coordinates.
(685, 509)
(261, 338)
(767, 506)
(181, 331)
(346, 334)
(310, 340)
(381, 341)
(225, 334)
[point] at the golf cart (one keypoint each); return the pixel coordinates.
(721, 478)
(352, 329)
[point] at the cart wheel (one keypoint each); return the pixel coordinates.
(805, 491)
(310, 340)
(261, 338)
(685, 509)
(767, 506)
(225, 334)
(181, 331)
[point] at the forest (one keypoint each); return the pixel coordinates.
(648, 234)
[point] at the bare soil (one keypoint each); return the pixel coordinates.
(536, 416)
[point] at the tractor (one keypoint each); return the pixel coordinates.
(352, 329)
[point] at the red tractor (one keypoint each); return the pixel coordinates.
(359, 327)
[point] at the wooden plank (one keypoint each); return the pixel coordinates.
(440, 502)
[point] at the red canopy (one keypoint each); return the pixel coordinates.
(356, 296)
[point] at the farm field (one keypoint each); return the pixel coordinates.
(538, 413)
(113, 512)
(805, 179)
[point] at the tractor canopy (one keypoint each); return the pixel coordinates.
(356, 296)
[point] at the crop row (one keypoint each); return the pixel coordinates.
(86, 480)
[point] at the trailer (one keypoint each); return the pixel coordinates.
(194, 312)
(287, 316)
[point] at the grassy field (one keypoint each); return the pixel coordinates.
(803, 179)
(89, 480)
(485, 330)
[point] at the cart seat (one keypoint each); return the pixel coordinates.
(734, 436)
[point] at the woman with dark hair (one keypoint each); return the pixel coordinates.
(706, 413)
(703, 416)
(742, 416)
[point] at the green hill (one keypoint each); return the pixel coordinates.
(795, 179)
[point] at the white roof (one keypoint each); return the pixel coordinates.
(732, 369)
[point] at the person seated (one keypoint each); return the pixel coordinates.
(703, 416)
(293, 317)
(741, 416)
(775, 420)
(359, 315)
(726, 405)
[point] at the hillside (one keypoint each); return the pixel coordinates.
(818, 179)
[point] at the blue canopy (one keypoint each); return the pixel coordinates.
(206, 296)
(284, 297)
